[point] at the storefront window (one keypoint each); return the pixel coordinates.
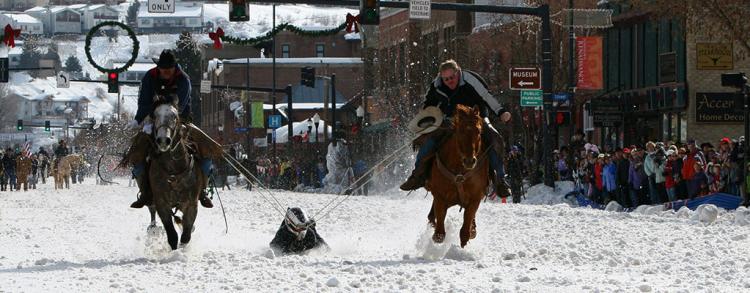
(683, 127)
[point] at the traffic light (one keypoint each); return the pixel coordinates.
(113, 83)
(563, 118)
(238, 10)
(308, 76)
(19, 125)
(47, 126)
(369, 12)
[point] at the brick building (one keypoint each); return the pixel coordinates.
(336, 54)
(666, 80)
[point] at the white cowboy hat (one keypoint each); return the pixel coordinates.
(426, 121)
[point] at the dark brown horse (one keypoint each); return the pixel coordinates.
(460, 174)
(174, 174)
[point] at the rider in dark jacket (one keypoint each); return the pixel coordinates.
(455, 86)
(166, 80)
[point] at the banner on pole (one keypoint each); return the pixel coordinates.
(256, 115)
(590, 68)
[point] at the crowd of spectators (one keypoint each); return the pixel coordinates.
(655, 173)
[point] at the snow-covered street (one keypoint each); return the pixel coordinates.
(86, 239)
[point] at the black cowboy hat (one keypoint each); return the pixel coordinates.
(166, 59)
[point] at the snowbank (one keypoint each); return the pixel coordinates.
(378, 244)
(545, 195)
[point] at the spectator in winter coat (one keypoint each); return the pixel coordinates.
(610, 179)
(562, 166)
(598, 180)
(636, 177)
(698, 186)
(623, 169)
(648, 167)
(716, 181)
(9, 164)
(659, 160)
(669, 178)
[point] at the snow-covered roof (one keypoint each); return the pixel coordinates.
(53, 9)
(301, 106)
(301, 15)
(17, 50)
(100, 103)
(183, 9)
(44, 88)
(77, 6)
(301, 127)
(137, 67)
(23, 18)
(36, 9)
(306, 60)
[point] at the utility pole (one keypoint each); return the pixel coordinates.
(273, 73)
(333, 105)
(543, 13)
(571, 71)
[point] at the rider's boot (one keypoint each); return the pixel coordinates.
(418, 176)
(501, 186)
(146, 197)
(207, 169)
(205, 201)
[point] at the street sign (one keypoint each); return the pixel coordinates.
(667, 67)
(240, 129)
(714, 56)
(419, 9)
(161, 6)
(274, 121)
(63, 80)
(205, 86)
(606, 112)
(560, 97)
(4, 72)
(531, 98)
(525, 78)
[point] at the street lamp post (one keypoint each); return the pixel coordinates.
(221, 133)
(309, 129)
(360, 120)
(316, 121)
(360, 114)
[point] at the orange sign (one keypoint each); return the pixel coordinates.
(590, 69)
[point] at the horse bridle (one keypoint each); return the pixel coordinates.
(459, 179)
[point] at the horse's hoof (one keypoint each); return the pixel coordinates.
(438, 237)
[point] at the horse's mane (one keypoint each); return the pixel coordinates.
(465, 115)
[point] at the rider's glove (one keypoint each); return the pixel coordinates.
(133, 124)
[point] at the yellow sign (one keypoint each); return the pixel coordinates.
(714, 56)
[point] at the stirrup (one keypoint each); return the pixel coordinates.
(205, 201)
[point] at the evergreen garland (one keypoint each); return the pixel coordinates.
(131, 34)
(281, 27)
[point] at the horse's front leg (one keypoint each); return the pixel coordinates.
(469, 224)
(431, 214)
(165, 214)
(189, 213)
(152, 211)
(440, 209)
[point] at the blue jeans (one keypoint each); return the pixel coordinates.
(430, 145)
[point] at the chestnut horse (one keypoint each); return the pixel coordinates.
(460, 174)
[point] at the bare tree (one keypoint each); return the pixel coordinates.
(720, 19)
